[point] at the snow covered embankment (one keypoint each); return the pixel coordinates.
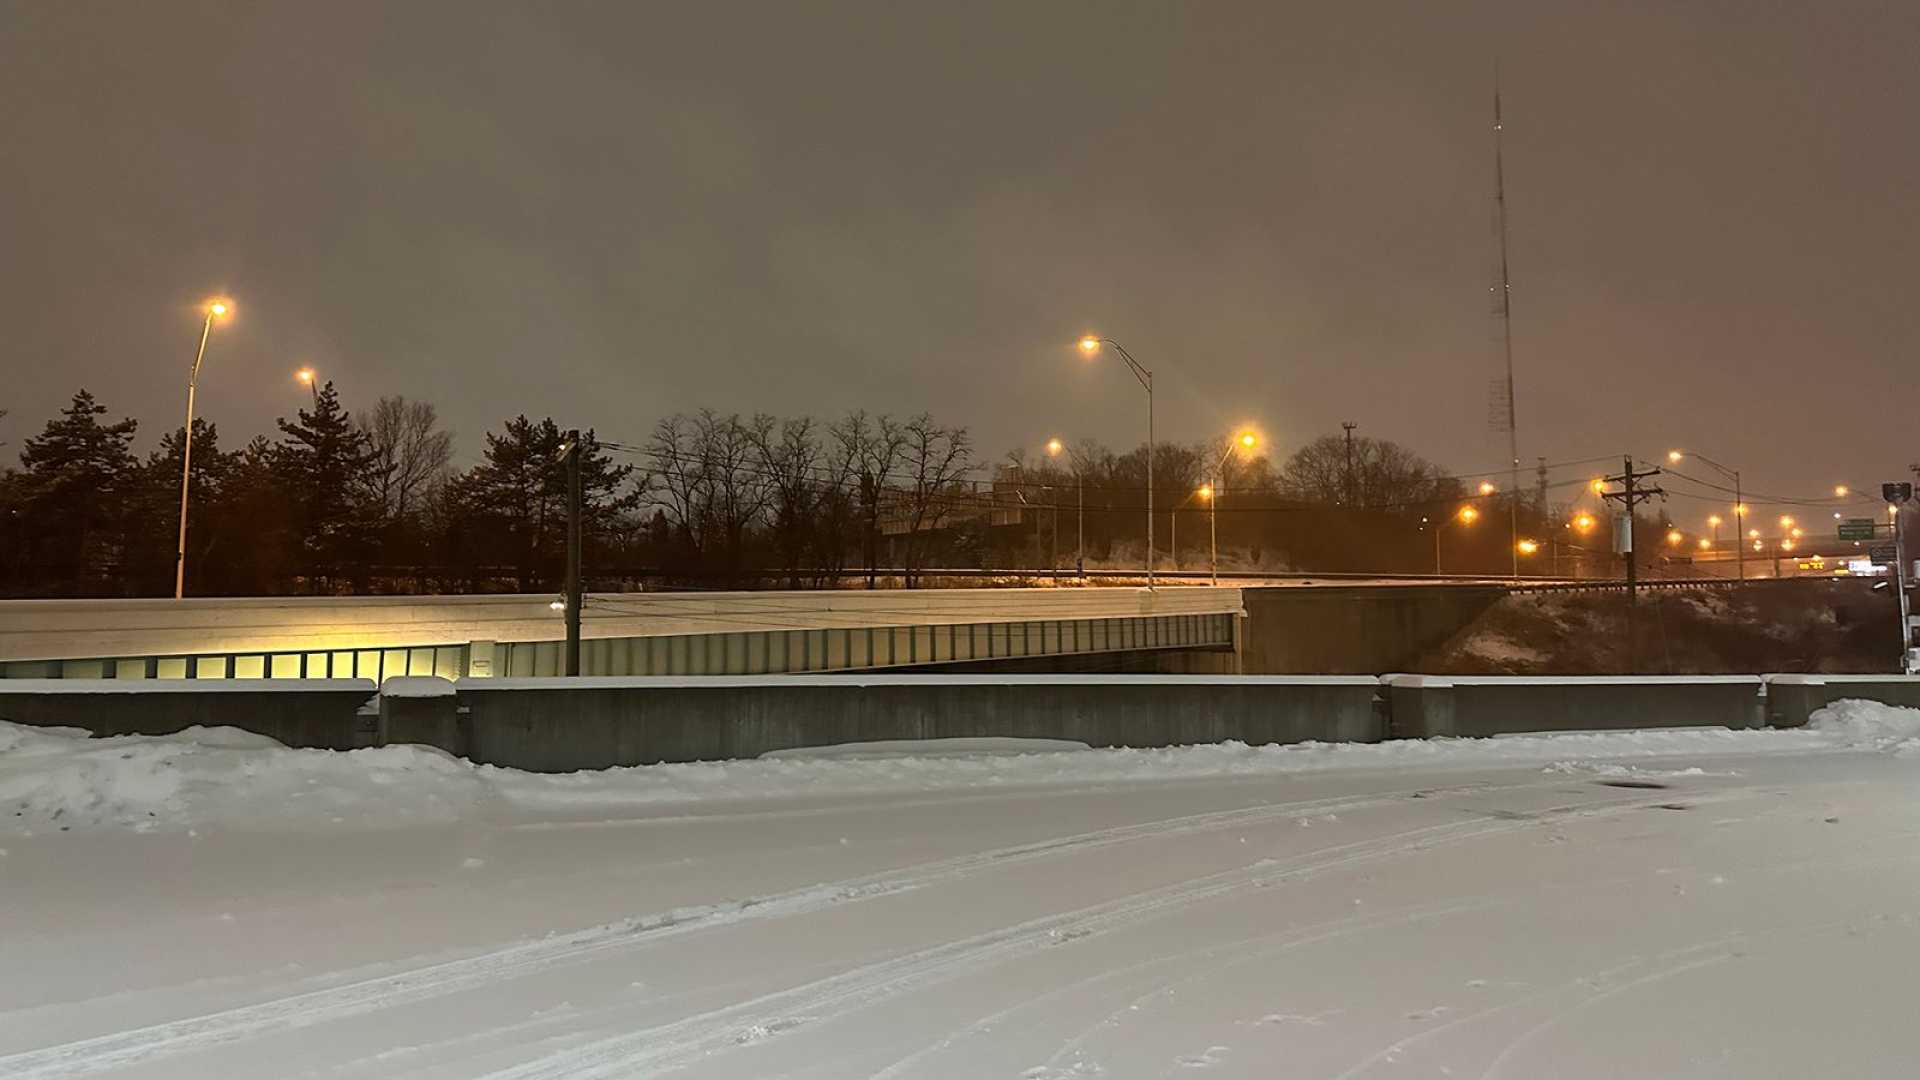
(57, 779)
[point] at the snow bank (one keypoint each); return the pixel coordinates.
(1868, 724)
(58, 779)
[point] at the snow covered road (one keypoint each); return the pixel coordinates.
(1685, 903)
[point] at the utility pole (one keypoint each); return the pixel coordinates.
(1630, 496)
(1897, 495)
(571, 451)
(1080, 521)
(1348, 426)
(1540, 489)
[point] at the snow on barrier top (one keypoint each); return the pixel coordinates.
(1417, 682)
(1823, 680)
(417, 686)
(620, 682)
(178, 686)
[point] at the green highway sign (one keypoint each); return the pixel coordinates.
(1857, 529)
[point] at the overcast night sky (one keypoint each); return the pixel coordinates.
(610, 212)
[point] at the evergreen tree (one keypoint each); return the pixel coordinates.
(152, 505)
(323, 461)
(73, 476)
(511, 509)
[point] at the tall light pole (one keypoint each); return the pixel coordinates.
(1204, 491)
(1054, 449)
(1090, 345)
(307, 376)
(1246, 440)
(1466, 515)
(215, 309)
(1675, 457)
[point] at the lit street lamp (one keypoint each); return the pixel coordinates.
(1466, 515)
(1246, 440)
(217, 308)
(1674, 457)
(1054, 449)
(306, 375)
(1090, 345)
(1204, 491)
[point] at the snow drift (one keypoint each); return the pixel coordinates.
(60, 779)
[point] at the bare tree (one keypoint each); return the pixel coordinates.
(1386, 475)
(935, 459)
(712, 490)
(872, 450)
(788, 458)
(411, 455)
(683, 492)
(837, 510)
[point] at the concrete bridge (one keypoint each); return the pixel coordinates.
(1195, 629)
(623, 633)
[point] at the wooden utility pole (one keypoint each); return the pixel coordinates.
(1348, 426)
(574, 590)
(1629, 496)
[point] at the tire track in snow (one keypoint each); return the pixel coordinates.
(1268, 944)
(304, 1010)
(670, 1045)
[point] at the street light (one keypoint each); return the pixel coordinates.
(1528, 547)
(1583, 521)
(1486, 487)
(1466, 515)
(1054, 449)
(1840, 491)
(1674, 537)
(1090, 345)
(1706, 544)
(218, 308)
(306, 376)
(1246, 440)
(1674, 457)
(1204, 491)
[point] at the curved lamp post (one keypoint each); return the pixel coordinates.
(1090, 345)
(217, 308)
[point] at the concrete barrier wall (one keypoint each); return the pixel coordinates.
(328, 714)
(1791, 699)
(1424, 706)
(1354, 630)
(558, 724)
(567, 724)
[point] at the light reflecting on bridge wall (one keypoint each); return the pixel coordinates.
(752, 652)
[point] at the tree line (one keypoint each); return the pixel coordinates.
(372, 501)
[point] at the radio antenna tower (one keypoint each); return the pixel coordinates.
(1503, 415)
